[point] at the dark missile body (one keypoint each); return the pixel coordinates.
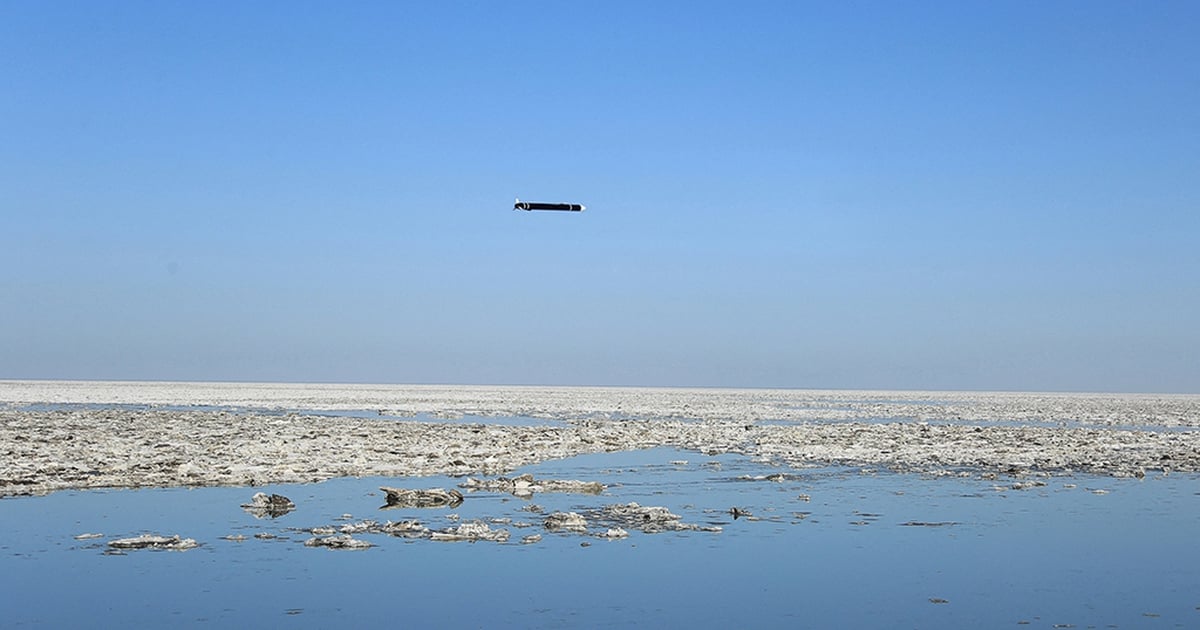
(533, 205)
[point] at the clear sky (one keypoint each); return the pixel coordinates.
(907, 195)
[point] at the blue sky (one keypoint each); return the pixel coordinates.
(947, 195)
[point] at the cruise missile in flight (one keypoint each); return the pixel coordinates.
(533, 205)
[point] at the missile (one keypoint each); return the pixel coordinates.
(533, 205)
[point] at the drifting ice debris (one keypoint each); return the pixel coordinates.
(406, 529)
(150, 541)
(471, 531)
(777, 477)
(615, 533)
(641, 514)
(359, 528)
(565, 521)
(343, 541)
(263, 505)
(436, 497)
(88, 536)
(333, 534)
(525, 485)
(649, 519)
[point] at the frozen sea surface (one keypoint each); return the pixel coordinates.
(818, 547)
(514, 421)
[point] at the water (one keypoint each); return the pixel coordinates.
(825, 547)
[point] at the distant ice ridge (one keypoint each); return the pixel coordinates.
(573, 403)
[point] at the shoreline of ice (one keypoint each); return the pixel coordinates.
(126, 438)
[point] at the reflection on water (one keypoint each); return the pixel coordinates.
(821, 547)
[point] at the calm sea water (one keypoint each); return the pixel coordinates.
(827, 547)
